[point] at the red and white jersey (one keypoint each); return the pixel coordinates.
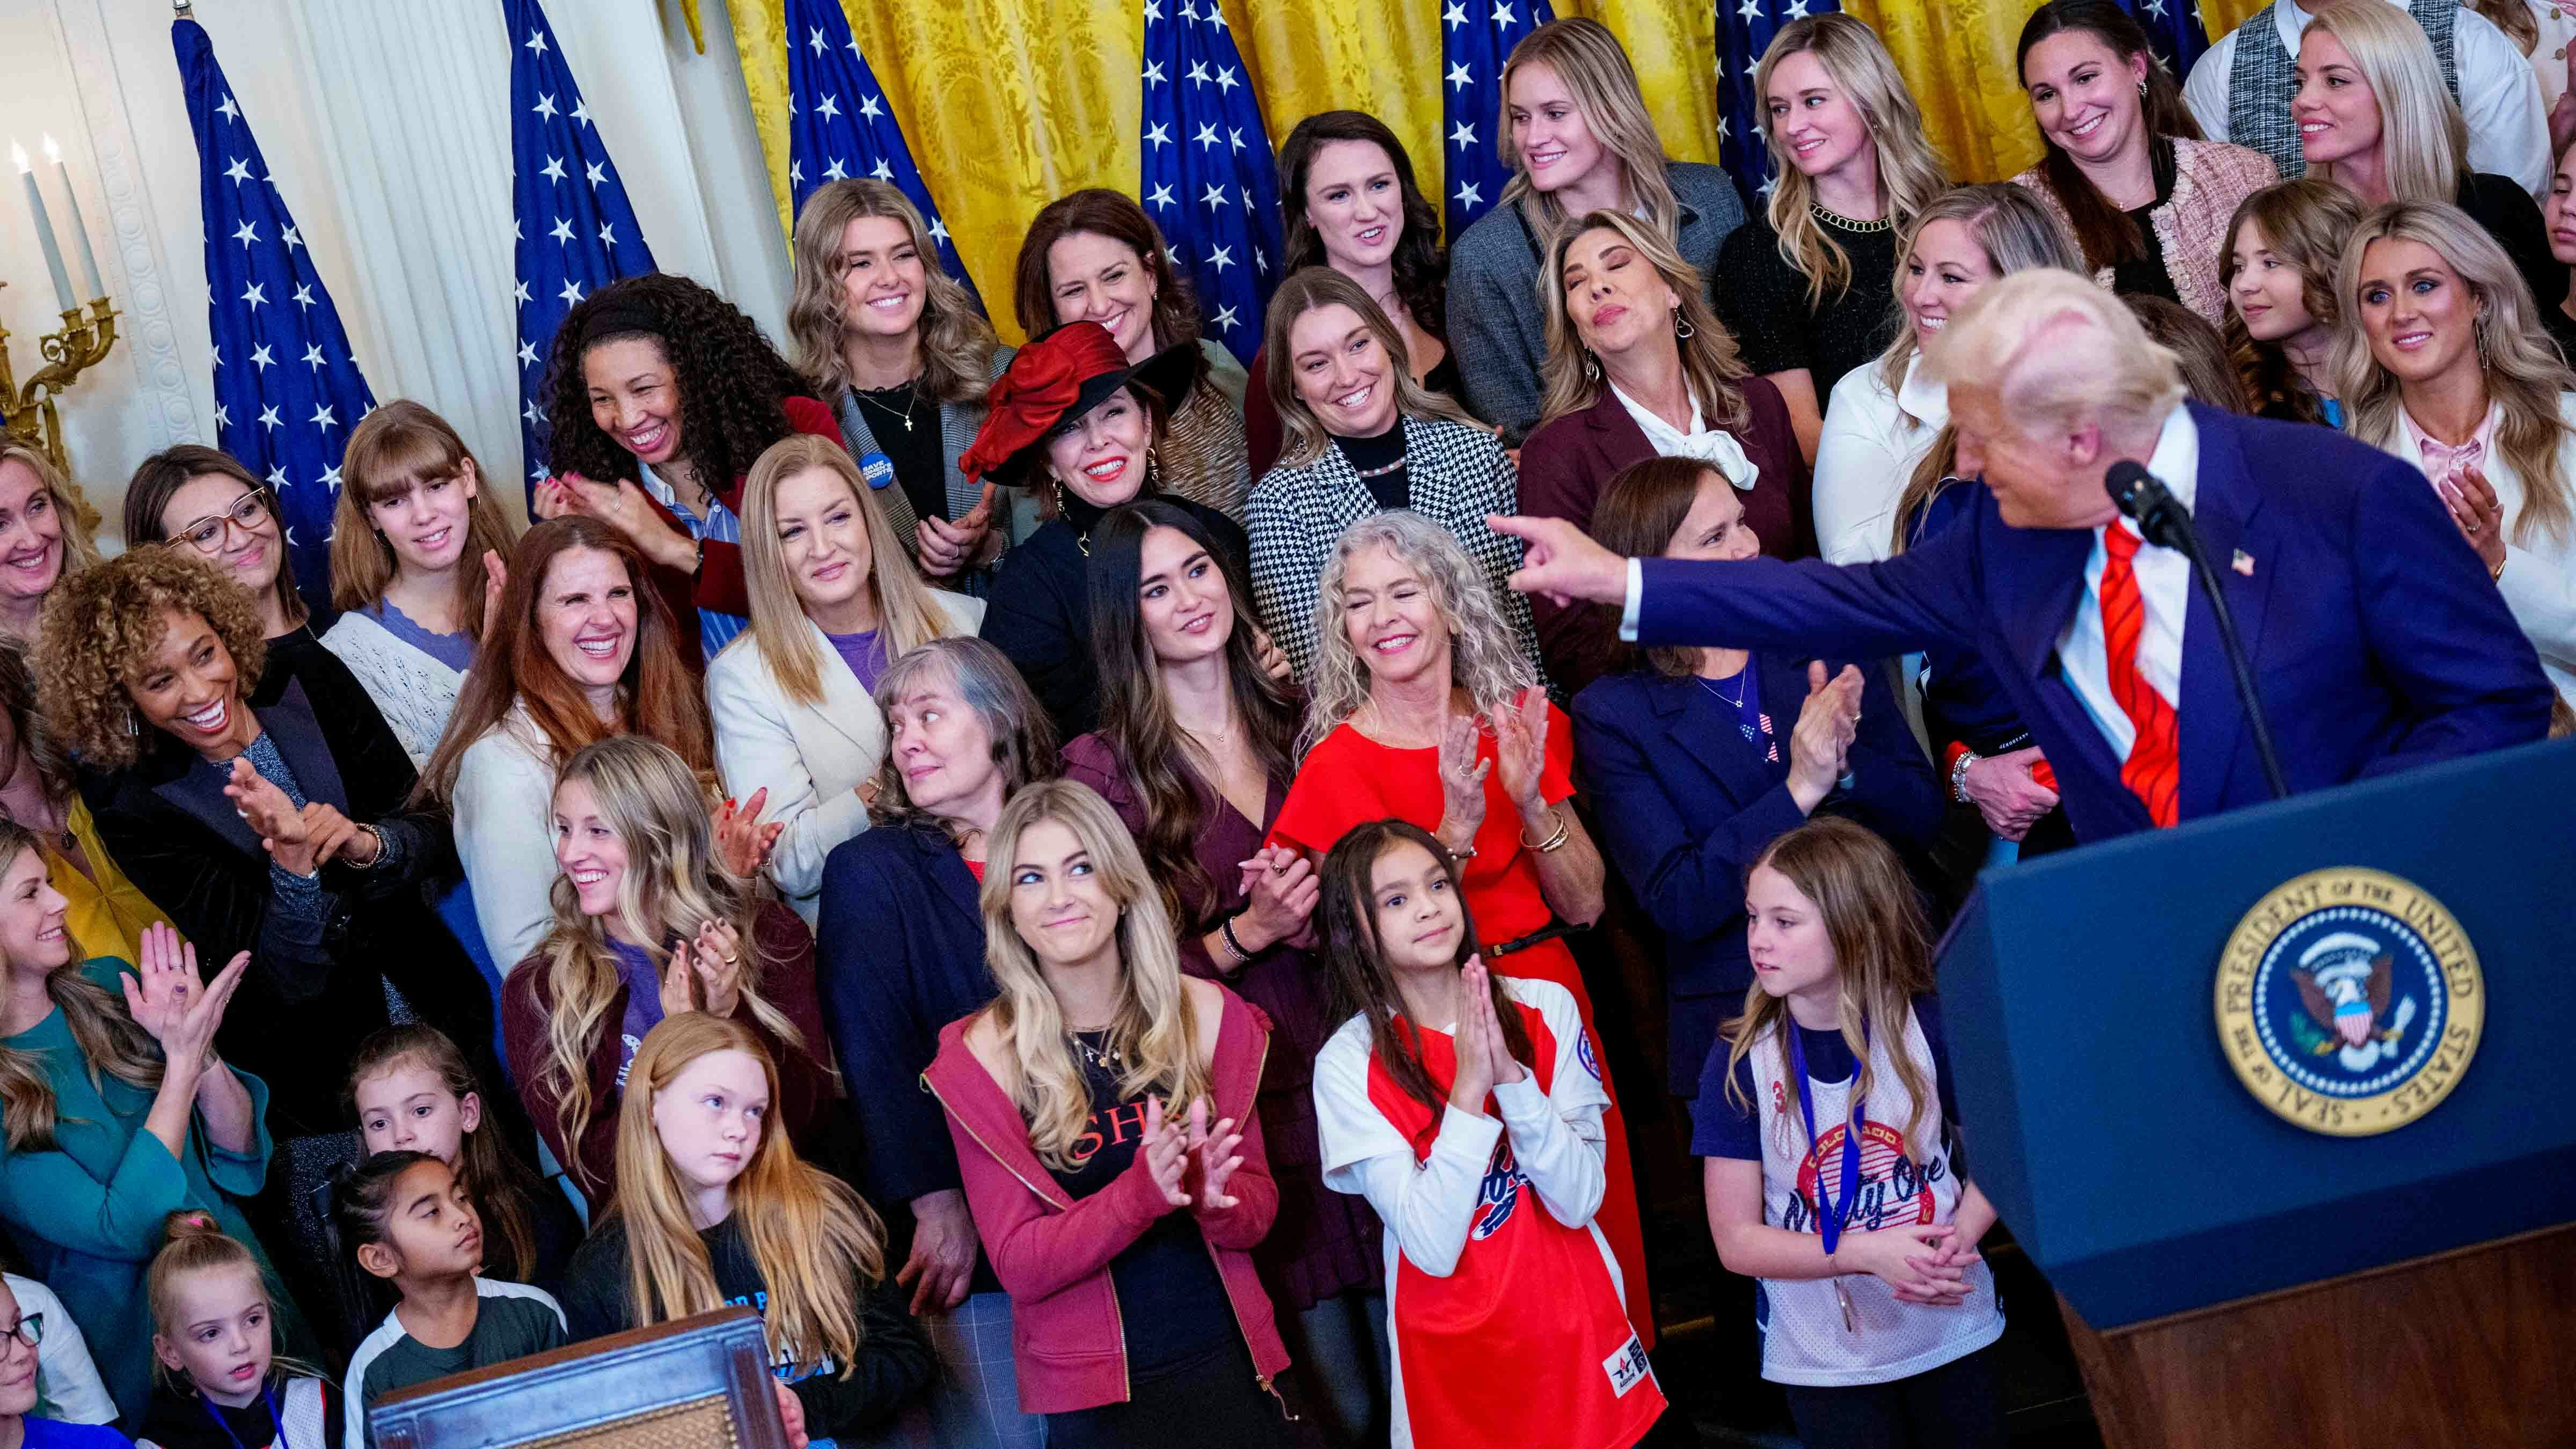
(1495, 1273)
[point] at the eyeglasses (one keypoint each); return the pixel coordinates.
(208, 534)
(30, 1330)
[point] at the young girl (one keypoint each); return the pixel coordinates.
(2279, 270)
(1877, 1321)
(405, 1219)
(414, 1092)
(225, 1387)
(1467, 1108)
(714, 1208)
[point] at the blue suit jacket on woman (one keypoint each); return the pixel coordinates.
(2377, 640)
(1687, 804)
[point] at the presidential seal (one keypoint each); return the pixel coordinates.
(2349, 1002)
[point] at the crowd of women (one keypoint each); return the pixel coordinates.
(1065, 877)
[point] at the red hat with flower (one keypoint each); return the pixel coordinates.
(1051, 383)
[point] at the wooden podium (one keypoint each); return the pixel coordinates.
(2231, 1276)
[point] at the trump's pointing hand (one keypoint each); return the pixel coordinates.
(1563, 563)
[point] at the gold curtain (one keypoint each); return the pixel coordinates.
(1008, 104)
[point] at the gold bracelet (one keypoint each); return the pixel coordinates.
(1564, 830)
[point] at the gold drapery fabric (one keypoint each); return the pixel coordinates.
(1007, 104)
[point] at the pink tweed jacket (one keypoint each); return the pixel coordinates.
(2210, 179)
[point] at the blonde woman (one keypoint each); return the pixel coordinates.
(1806, 283)
(834, 600)
(903, 357)
(2124, 166)
(714, 1207)
(2373, 117)
(1638, 367)
(649, 922)
(1423, 711)
(2476, 397)
(1881, 424)
(2282, 250)
(42, 538)
(1361, 435)
(1102, 1110)
(1575, 133)
(413, 537)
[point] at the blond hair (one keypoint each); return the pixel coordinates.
(1592, 65)
(2423, 141)
(397, 448)
(1312, 289)
(109, 1041)
(1711, 362)
(1155, 1031)
(907, 615)
(674, 883)
(816, 1244)
(1910, 172)
(2060, 351)
(80, 520)
(2524, 374)
(2010, 225)
(956, 342)
(1485, 657)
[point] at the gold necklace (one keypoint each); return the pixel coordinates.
(1840, 222)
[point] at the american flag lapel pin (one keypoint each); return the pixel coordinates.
(2243, 563)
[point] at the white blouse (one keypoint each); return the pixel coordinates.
(1872, 442)
(2539, 580)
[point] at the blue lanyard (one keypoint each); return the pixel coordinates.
(276, 1419)
(1829, 1219)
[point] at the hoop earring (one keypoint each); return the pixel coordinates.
(132, 727)
(1682, 330)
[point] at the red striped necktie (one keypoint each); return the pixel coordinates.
(2153, 771)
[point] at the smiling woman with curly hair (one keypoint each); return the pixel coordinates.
(661, 394)
(280, 830)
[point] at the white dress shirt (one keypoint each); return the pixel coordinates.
(1714, 446)
(1872, 443)
(2499, 95)
(2164, 588)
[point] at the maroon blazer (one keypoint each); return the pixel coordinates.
(805, 1081)
(1567, 464)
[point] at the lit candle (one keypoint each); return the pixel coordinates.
(44, 227)
(80, 228)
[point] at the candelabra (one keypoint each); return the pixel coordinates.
(29, 409)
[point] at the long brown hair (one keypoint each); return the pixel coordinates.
(1136, 714)
(1310, 290)
(1355, 955)
(111, 1044)
(816, 1245)
(1420, 263)
(2107, 234)
(2208, 372)
(1115, 215)
(2304, 224)
(1641, 510)
(1882, 957)
(504, 1188)
(657, 696)
(161, 476)
(393, 450)
(956, 343)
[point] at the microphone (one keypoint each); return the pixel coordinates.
(2163, 521)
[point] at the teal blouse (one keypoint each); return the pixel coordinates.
(88, 1210)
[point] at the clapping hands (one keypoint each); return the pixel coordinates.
(742, 842)
(1820, 743)
(1191, 1153)
(165, 999)
(704, 975)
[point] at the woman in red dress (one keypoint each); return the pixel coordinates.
(1425, 710)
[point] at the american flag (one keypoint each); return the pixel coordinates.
(1744, 31)
(838, 123)
(1476, 37)
(1209, 179)
(576, 232)
(2174, 29)
(287, 389)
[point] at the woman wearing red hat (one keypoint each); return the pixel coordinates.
(1074, 421)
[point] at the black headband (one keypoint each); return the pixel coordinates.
(620, 316)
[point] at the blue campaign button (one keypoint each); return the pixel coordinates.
(877, 468)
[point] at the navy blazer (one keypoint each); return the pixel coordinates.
(1687, 804)
(2388, 646)
(899, 953)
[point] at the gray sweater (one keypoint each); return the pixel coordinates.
(1498, 326)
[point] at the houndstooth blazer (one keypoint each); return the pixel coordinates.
(1456, 474)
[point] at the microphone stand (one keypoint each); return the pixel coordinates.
(2162, 520)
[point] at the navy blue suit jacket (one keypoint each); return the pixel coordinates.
(1687, 804)
(2377, 641)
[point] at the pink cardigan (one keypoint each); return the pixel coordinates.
(1052, 1253)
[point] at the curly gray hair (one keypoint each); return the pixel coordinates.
(1485, 657)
